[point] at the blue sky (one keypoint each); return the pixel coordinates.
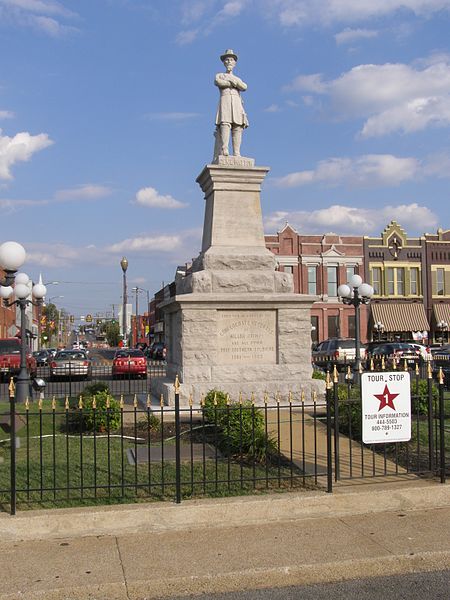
(107, 115)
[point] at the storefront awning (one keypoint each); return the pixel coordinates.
(400, 316)
(442, 312)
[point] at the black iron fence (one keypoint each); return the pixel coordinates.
(108, 448)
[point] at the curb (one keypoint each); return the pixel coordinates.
(247, 579)
(216, 513)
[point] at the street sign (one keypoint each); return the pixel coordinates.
(88, 319)
(386, 407)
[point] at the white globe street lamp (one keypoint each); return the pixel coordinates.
(12, 257)
(355, 293)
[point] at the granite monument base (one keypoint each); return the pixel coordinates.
(240, 344)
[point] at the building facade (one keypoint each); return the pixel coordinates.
(411, 279)
(319, 265)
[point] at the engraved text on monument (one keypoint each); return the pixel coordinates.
(246, 336)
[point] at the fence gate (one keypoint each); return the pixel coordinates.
(425, 454)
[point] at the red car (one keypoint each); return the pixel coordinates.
(129, 363)
(10, 359)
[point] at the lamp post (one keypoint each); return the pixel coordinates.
(124, 265)
(355, 293)
(12, 257)
(379, 328)
(443, 327)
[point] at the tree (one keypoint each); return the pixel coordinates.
(112, 331)
(49, 323)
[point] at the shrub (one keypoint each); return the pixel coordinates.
(240, 427)
(317, 374)
(149, 423)
(350, 410)
(94, 388)
(99, 419)
(419, 396)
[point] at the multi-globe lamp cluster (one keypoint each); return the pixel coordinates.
(12, 257)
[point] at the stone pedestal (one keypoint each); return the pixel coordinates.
(235, 323)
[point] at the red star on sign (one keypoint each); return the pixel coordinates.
(386, 398)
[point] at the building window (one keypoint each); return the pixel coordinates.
(333, 326)
(400, 282)
(314, 329)
(440, 282)
(312, 280)
(390, 281)
(414, 281)
(395, 281)
(351, 326)
(349, 272)
(376, 280)
(332, 273)
(288, 269)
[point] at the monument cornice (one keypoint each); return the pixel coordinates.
(216, 178)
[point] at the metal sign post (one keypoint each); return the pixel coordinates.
(386, 407)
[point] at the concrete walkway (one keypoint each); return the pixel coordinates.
(305, 442)
(206, 546)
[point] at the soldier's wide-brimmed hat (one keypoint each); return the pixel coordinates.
(227, 53)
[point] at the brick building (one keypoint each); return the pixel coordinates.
(411, 279)
(319, 265)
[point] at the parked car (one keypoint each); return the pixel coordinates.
(424, 351)
(157, 351)
(130, 363)
(336, 351)
(10, 359)
(42, 357)
(67, 364)
(441, 360)
(392, 353)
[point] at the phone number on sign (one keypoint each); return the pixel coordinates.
(386, 427)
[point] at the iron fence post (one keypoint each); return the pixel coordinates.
(430, 420)
(12, 417)
(336, 423)
(441, 427)
(177, 443)
(329, 446)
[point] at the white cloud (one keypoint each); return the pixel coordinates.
(6, 114)
(273, 108)
(392, 97)
(186, 37)
(150, 197)
(364, 171)
(348, 36)
(194, 10)
(47, 7)
(87, 191)
(347, 220)
(19, 148)
(155, 243)
(201, 10)
(43, 15)
(292, 13)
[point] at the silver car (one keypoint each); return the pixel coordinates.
(336, 351)
(69, 364)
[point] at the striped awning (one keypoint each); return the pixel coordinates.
(441, 312)
(400, 316)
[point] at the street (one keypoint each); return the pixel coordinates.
(101, 372)
(413, 586)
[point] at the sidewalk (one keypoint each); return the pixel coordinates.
(160, 550)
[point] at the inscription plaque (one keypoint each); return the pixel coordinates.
(246, 336)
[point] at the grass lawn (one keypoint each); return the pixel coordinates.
(55, 466)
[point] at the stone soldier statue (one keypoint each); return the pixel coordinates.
(231, 115)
